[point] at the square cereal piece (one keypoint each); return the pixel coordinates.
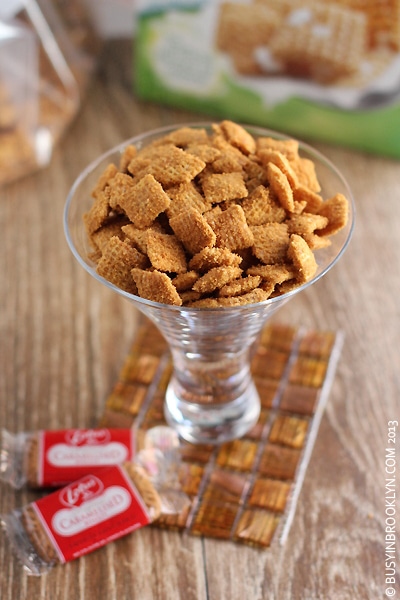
(290, 148)
(281, 161)
(240, 286)
(117, 261)
(289, 431)
(279, 462)
(184, 137)
(208, 258)
(306, 173)
(280, 185)
(256, 527)
(299, 399)
(205, 152)
(98, 213)
(238, 455)
(316, 242)
(231, 229)
(270, 494)
(104, 179)
(302, 257)
(184, 281)
(144, 201)
(192, 229)
(227, 163)
(237, 136)
(119, 189)
(216, 278)
(102, 236)
(127, 156)
(271, 242)
(189, 296)
(184, 196)
(313, 201)
(306, 223)
(156, 286)
(253, 297)
(273, 274)
(214, 519)
(260, 207)
(166, 252)
(336, 211)
(172, 166)
(218, 187)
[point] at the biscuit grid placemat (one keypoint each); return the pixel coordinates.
(245, 490)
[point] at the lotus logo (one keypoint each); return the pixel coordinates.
(81, 491)
(87, 437)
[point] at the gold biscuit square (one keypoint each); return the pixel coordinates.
(192, 229)
(219, 187)
(143, 201)
(117, 261)
(271, 242)
(231, 229)
(156, 286)
(166, 252)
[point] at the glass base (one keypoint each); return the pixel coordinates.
(212, 423)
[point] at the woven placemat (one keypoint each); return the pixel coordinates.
(245, 490)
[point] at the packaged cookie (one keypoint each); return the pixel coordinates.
(55, 458)
(81, 517)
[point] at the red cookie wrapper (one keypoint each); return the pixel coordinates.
(55, 458)
(82, 516)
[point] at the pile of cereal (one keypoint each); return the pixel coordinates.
(211, 219)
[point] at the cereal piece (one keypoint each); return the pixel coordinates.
(260, 208)
(255, 174)
(184, 137)
(336, 211)
(271, 242)
(316, 242)
(256, 295)
(279, 160)
(224, 186)
(227, 163)
(139, 236)
(205, 303)
(306, 174)
(185, 281)
(302, 257)
(274, 274)
(306, 223)
(144, 201)
(102, 236)
(184, 196)
(238, 136)
(172, 165)
(156, 286)
(303, 194)
(189, 296)
(279, 184)
(166, 252)
(127, 156)
(214, 257)
(104, 179)
(205, 152)
(191, 228)
(216, 278)
(240, 286)
(98, 213)
(231, 229)
(117, 261)
(290, 148)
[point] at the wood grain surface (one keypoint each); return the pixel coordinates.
(63, 338)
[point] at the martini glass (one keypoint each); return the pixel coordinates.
(211, 396)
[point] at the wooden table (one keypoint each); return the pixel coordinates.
(63, 338)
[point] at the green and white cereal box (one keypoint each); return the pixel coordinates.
(318, 70)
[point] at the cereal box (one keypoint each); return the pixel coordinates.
(319, 70)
